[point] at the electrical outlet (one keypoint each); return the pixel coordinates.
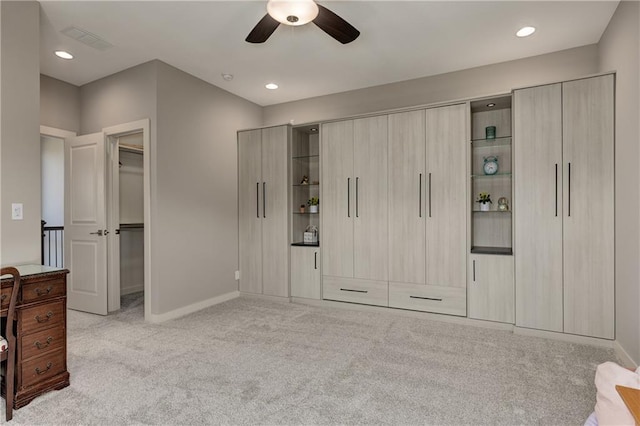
(237, 275)
(17, 211)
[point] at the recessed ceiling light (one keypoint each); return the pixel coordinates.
(63, 54)
(491, 105)
(227, 77)
(313, 129)
(271, 86)
(525, 31)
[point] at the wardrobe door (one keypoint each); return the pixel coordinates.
(446, 197)
(275, 225)
(406, 197)
(250, 210)
(538, 197)
(336, 204)
(588, 112)
(370, 209)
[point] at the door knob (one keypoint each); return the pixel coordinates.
(99, 233)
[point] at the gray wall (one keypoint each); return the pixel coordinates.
(122, 97)
(470, 83)
(619, 50)
(59, 104)
(195, 251)
(20, 131)
(193, 173)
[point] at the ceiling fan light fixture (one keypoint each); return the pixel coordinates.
(292, 12)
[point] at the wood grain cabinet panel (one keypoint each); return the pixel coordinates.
(407, 247)
(538, 197)
(263, 220)
(565, 196)
(491, 288)
(588, 232)
(354, 290)
(446, 186)
(305, 272)
(428, 298)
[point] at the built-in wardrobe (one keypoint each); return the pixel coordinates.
(131, 208)
(496, 209)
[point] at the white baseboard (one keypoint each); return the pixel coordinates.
(135, 288)
(623, 356)
(571, 338)
(186, 310)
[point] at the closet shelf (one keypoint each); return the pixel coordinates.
(497, 175)
(507, 251)
(308, 184)
(131, 226)
(304, 157)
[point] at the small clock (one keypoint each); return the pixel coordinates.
(490, 166)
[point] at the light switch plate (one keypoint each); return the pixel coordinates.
(16, 211)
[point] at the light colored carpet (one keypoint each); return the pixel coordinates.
(250, 361)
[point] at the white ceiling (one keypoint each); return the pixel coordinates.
(399, 40)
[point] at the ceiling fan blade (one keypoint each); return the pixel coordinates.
(263, 30)
(335, 26)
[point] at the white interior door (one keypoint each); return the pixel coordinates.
(85, 223)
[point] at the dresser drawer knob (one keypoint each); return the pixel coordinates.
(41, 320)
(43, 293)
(39, 372)
(40, 345)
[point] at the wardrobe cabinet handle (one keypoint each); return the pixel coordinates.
(354, 291)
(429, 194)
(357, 181)
(474, 271)
(348, 197)
(264, 199)
(315, 260)
(420, 195)
(556, 189)
(569, 197)
(258, 200)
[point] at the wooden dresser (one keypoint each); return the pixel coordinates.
(41, 361)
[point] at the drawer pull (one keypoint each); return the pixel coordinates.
(41, 320)
(3, 298)
(39, 372)
(354, 291)
(426, 298)
(43, 293)
(43, 345)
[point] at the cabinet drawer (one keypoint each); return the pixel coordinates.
(42, 316)
(355, 291)
(5, 297)
(39, 290)
(41, 368)
(44, 341)
(428, 298)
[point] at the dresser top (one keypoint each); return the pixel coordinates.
(33, 269)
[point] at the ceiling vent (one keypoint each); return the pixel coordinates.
(87, 38)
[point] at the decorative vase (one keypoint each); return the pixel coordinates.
(490, 132)
(313, 209)
(484, 207)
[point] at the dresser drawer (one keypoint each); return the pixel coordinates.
(428, 298)
(43, 367)
(43, 316)
(40, 290)
(355, 291)
(5, 297)
(42, 342)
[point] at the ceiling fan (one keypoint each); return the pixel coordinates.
(300, 12)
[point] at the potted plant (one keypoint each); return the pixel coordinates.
(484, 198)
(313, 204)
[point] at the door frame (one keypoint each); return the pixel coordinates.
(113, 286)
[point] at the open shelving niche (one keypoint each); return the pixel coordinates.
(491, 231)
(305, 161)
